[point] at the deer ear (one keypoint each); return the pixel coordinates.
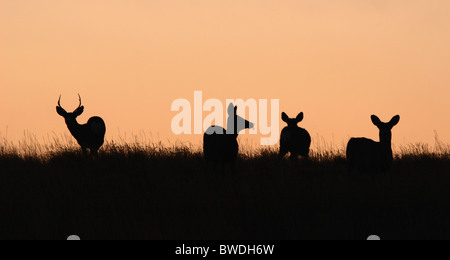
(300, 117)
(231, 109)
(285, 117)
(376, 121)
(61, 111)
(78, 111)
(394, 121)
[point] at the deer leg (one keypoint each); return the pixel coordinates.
(294, 157)
(306, 156)
(282, 154)
(94, 154)
(84, 150)
(306, 159)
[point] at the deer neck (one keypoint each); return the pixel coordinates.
(386, 141)
(230, 126)
(74, 128)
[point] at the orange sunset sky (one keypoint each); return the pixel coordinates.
(337, 61)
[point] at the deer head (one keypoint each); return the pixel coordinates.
(71, 118)
(385, 128)
(236, 123)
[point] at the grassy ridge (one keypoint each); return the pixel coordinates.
(152, 192)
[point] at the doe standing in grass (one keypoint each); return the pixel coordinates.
(368, 155)
(89, 136)
(220, 146)
(294, 140)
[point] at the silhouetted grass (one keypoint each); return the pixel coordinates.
(148, 191)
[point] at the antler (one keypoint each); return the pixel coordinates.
(59, 101)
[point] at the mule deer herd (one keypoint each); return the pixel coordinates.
(220, 146)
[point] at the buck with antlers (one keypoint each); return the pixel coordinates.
(89, 136)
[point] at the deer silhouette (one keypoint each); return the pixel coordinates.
(293, 139)
(220, 146)
(367, 155)
(89, 136)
